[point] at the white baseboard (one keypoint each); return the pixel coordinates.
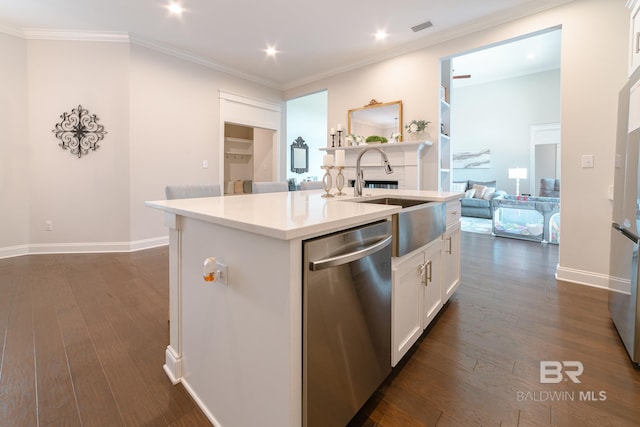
(200, 404)
(91, 247)
(581, 277)
(13, 251)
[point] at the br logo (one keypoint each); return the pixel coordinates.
(553, 371)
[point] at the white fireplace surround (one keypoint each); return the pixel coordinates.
(406, 159)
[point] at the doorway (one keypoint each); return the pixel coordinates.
(545, 154)
(307, 118)
(499, 97)
(497, 94)
(249, 155)
(249, 142)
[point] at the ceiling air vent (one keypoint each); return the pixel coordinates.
(422, 26)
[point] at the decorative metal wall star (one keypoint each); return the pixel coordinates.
(79, 131)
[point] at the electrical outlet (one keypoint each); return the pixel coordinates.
(48, 225)
(587, 160)
(205, 164)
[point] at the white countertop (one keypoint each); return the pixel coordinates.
(294, 214)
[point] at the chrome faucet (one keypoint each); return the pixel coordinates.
(357, 188)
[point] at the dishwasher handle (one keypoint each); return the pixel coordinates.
(350, 257)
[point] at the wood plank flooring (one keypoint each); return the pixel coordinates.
(82, 340)
(479, 364)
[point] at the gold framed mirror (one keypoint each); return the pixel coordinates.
(376, 119)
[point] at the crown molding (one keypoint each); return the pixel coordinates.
(187, 56)
(531, 8)
(441, 37)
(75, 35)
(123, 37)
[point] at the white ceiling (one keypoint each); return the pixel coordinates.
(314, 38)
(510, 59)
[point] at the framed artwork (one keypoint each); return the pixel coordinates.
(473, 159)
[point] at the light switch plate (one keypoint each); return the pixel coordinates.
(205, 164)
(222, 276)
(587, 160)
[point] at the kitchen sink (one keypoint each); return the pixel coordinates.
(405, 203)
(418, 223)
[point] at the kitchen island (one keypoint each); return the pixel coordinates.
(236, 342)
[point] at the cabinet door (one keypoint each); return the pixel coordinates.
(406, 305)
(431, 286)
(450, 261)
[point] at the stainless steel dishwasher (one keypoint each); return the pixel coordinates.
(346, 322)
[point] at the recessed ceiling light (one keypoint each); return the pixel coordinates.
(175, 8)
(381, 35)
(271, 51)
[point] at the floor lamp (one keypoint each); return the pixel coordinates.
(517, 174)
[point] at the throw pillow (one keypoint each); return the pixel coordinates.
(458, 187)
(488, 193)
(480, 189)
(469, 193)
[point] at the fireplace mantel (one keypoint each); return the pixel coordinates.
(406, 159)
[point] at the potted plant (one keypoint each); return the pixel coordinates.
(376, 139)
(415, 128)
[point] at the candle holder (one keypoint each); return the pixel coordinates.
(327, 181)
(340, 181)
(333, 140)
(339, 138)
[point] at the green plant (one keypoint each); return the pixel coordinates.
(376, 138)
(416, 126)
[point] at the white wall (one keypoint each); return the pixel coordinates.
(498, 115)
(162, 117)
(594, 67)
(263, 155)
(14, 148)
(307, 117)
(175, 125)
(86, 198)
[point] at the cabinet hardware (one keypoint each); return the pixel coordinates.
(638, 42)
(450, 250)
(421, 271)
(429, 268)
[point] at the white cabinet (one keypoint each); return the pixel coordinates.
(430, 278)
(422, 282)
(406, 308)
(450, 260)
(451, 251)
(416, 296)
(634, 36)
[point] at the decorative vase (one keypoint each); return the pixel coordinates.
(416, 136)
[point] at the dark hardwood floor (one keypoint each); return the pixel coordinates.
(479, 363)
(82, 340)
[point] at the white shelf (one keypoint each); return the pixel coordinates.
(240, 140)
(444, 104)
(445, 137)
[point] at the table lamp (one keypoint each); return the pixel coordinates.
(517, 174)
